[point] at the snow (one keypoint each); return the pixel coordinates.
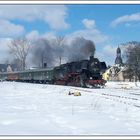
(41, 109)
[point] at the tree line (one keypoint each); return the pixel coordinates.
(132, 60)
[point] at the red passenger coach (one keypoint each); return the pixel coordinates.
(12, 77)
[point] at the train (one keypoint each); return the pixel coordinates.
(83, 73)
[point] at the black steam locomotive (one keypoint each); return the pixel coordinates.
(82, 73)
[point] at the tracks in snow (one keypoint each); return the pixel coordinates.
(131, 101)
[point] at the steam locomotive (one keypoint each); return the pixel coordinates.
(82, 73)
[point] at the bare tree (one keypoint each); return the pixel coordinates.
(20, 49)
(17, 64)
(132, 56)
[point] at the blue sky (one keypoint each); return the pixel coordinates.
(106, 25)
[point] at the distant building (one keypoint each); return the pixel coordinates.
(8, 67)
(117, 72)
(118, 60)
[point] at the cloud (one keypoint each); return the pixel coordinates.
(93, 34)
(53, 15)
(34, 35)
(90, 32)
(4, 49)
(125, 19)
(107, 54)
(9, 29)
(89, 24)
(109, 50)
(49, 35)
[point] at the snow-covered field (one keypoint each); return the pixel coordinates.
(39, 109)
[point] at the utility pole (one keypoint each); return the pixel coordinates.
(60, 60)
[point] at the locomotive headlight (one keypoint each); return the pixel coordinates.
(90, 78)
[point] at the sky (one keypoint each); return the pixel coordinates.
(106, 25)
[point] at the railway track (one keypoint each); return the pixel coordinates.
(123, 99)
(131, 101)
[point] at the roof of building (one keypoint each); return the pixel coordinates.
(118, 50)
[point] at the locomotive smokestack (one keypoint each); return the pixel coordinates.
(91, 57)
(44, 65)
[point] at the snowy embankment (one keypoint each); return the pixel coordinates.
(39, 109)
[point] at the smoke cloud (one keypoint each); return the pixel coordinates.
(42, 52)
(54, 51)
(80, 49)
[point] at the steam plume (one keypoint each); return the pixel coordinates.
(51, 52)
